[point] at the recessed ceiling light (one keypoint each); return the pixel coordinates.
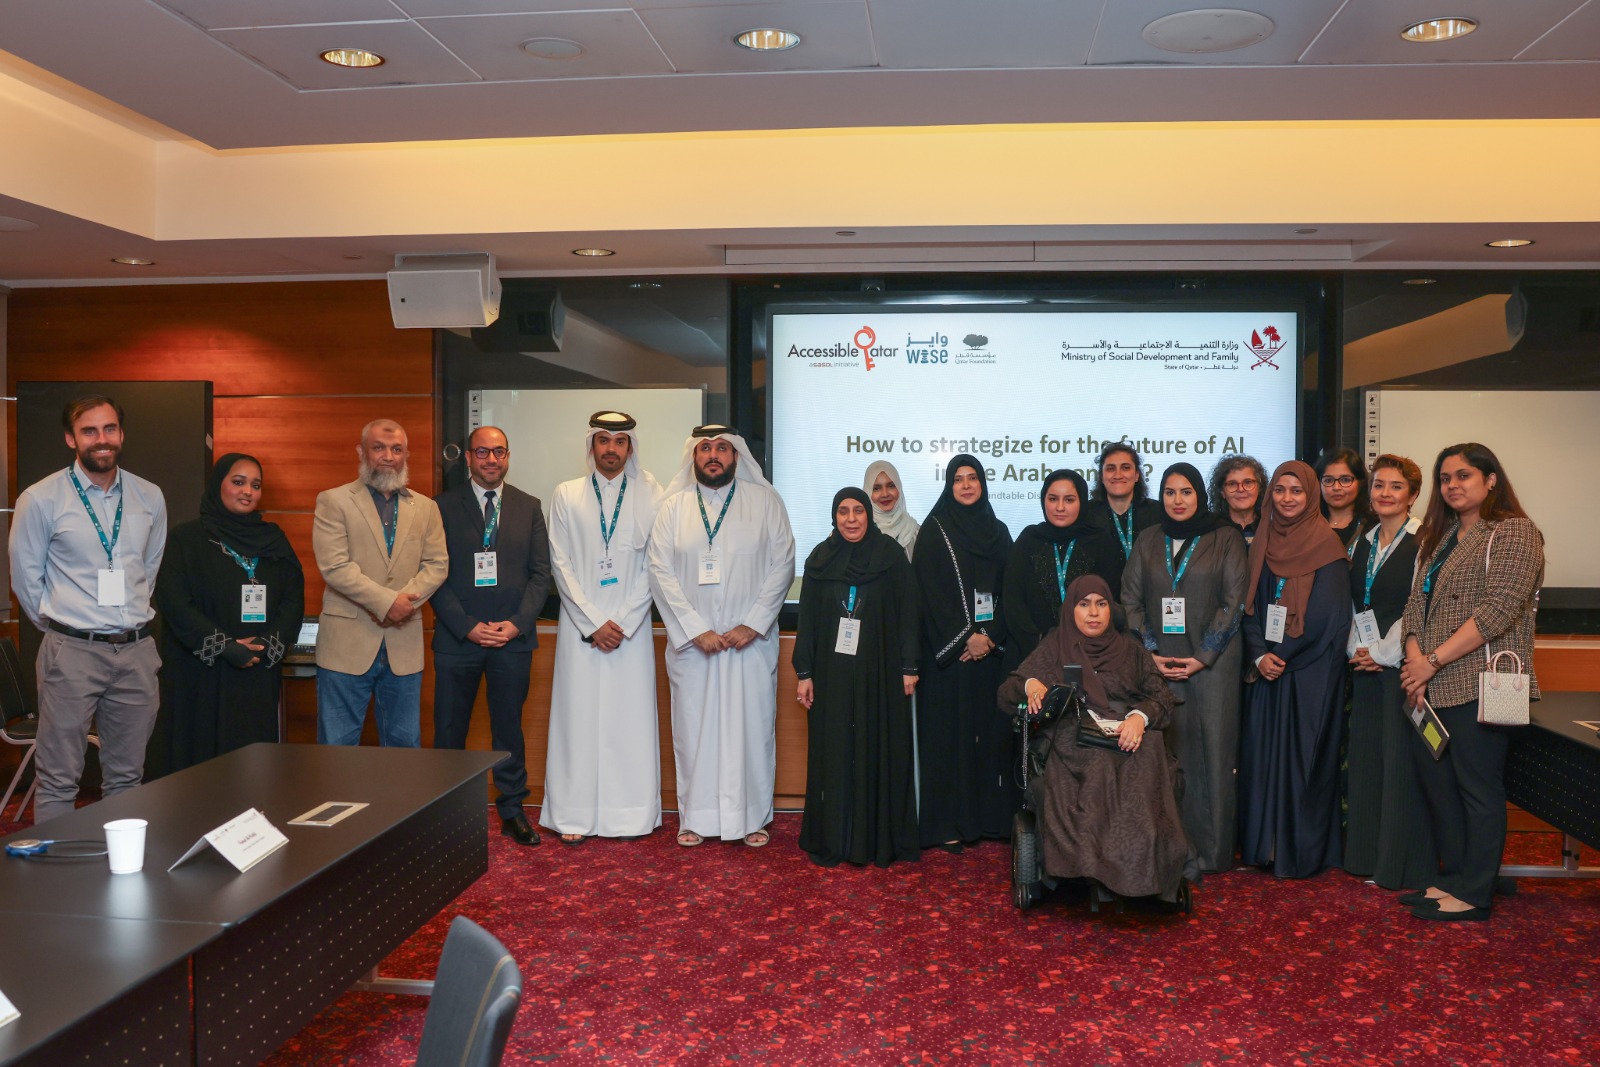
(844, 233)
(1210, 29)
(16, 225)
(352, 57)
(767, 40)
(593, 252)
(1430, 31)
(1509, 242)
(552, 48)
(644, 285)
(351, 255)
(133, 261)
(1419, 281)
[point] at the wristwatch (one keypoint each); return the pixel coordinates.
(1433, 660)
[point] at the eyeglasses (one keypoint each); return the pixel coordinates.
(1249, 483)
(485, 453)
(1343, 481)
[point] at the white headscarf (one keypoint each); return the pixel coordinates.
(897, 521)
(640, 482)
(746, 470)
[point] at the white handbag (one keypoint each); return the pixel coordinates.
(1503, 695)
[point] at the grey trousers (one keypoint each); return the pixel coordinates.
(82, 683)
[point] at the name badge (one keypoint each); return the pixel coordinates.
(112, 591)
(982, 607)
(710, 569)
(1367, 635)
(1172, 615)
(485, 568)
(1277, 620)
(849, 637)
(608, 572)
(252, 603)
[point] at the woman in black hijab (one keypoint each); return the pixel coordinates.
(855, 654)
(1184, 591)
(1047, 557)
(231, 596)
(964, 748)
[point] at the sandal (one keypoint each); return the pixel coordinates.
(757, 838)
(573, 839)
(689, 839)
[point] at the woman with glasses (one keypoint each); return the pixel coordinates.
(1344, 494)
(1237, 483)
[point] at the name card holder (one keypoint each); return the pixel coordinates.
(243, 841)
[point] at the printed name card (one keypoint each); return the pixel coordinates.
(243, 841)
(8, 1011)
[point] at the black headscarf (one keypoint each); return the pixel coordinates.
(972, 527)
(1060, 535)
(1204, 520)
(249, 535)
(859, 561)
(1114, 653)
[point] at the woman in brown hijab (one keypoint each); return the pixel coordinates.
(1109, 816)
(1296, 622)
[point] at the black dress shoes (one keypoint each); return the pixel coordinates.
(518, 829)
(1438, 914)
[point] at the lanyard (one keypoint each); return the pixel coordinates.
(1277, 594)
(1375, 561)
(711, 531)
(1125, 538)
(1062, 563)
(605, 534)
(249, 565)
(1438, 561)
(850, 608)
(1183, 565)
(488, 528)
(1350, 549)
(116, 527)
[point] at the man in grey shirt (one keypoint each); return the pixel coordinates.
(86, 543)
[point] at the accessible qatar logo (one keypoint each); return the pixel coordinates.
(863, 346)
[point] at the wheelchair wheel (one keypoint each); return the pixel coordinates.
(1186, 897)
(1026, 889)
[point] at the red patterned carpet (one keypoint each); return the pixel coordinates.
(643, 952)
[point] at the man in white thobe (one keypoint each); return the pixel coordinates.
(602, 774)
(721, 560)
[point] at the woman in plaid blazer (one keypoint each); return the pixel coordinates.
(1474, 595)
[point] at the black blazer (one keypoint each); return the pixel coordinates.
(523, 569)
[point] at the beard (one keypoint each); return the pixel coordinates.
(716, 481)
(97, 461)
(384, 480)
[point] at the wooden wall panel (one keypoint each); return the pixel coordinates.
(308, 444)
(265, 339)
(1567, 665)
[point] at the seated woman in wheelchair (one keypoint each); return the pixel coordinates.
(1105, 814)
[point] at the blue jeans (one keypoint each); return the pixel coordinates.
(342, 705)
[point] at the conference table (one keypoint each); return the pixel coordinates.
(1553, 772)
(87, 953)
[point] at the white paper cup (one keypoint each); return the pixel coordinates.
(125, 845)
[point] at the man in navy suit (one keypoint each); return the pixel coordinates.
(485, 612)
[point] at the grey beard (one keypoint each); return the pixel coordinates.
(715, 481)
(385, 481)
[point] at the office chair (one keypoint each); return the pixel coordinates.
(21, 723)
(476, 993)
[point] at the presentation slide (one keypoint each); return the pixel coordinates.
(1025, 391)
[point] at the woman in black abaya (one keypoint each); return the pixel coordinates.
(855, 654)
(964, 748)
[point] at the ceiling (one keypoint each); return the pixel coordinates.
(238, 82)
(246, 73)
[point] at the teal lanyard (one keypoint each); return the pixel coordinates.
(116, 527)
(1277, 594)
(1062, 563)
(1438, 561)
(488, 528)
(1350, 549)
(605, 534)
(1125, 538)
(850, 608)
(1183, 565)
(1375, 562)
(249, 565)
(711, 531)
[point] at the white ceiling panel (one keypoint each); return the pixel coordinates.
(1368, 31)
(413, 56)
(615, 44)
(965, 34)
(834, 36)
(1295, 24)
(216, 14)
(1576, 38)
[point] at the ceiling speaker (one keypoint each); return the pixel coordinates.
(531, 320)
(441, 291)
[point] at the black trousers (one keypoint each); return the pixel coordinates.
(456, 676)
(1465, 792)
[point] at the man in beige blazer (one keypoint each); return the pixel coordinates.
(381, 549)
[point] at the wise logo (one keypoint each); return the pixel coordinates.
(1264, 345)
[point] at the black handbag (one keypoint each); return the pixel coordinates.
(1091, 736)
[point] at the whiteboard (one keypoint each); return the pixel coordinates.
(547, 427)
(1545, 440)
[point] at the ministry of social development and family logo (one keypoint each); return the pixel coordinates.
(1264, 345)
